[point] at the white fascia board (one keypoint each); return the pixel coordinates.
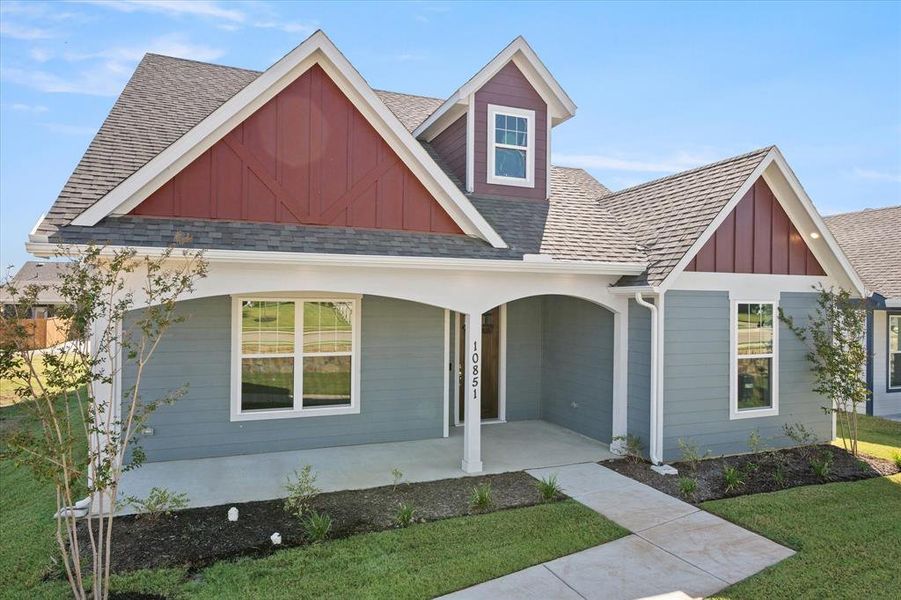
(630, 290)
(316, 49)
(559, 103)
(370, 260)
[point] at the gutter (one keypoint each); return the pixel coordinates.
(654, 450)
(527, 265)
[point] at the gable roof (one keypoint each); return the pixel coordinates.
(40, 273)
(316, 49)
(560, 105)
(668, 215)
(872, 240)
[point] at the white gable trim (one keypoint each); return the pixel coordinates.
(826, 252)
(560, 105)
(317, 49)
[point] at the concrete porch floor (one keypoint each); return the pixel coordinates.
(506, 447)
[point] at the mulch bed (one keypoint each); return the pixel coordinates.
(760, 471)
(197, 537)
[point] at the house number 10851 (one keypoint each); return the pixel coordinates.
(475, 369)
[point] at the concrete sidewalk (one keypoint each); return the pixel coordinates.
(676, 551)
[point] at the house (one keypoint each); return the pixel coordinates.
(872, 241)
(444, 272)
(46, 329)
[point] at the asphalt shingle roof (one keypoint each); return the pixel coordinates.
(40, 273)
(667, 215)
(871, 239)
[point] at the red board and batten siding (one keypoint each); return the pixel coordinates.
(307, 156)
(450, 145)
(509, 87)
(757, 237)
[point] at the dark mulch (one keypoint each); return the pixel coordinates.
(198, 537)
(134, 596)
(761, 471)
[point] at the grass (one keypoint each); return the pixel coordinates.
(8, 395)
(419, 561)
(846, 536)
(877, 437)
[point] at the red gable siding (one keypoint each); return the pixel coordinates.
(509, 87)
(757, 237)
(307, 156)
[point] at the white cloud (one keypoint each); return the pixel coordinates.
(24, 32)
(288, 27)
(680, 161)
(40, 54)
(64, 129)
(27, 108)
(875, 175)
(169, 45)
(174, 8)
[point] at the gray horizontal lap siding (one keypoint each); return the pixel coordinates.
(577, 366)
(696, 377)
(401, 385)
(639, 390)
(524, 359)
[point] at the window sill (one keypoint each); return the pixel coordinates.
(294, 414)
(514, 181)
(753, 413)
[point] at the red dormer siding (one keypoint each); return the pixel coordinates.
(509, 87)
(450, 145)
(308, 156)
(757, 237)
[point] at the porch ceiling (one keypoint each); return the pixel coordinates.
(505, 447)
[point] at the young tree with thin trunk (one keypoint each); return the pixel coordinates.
(81, 428)
(835, 338)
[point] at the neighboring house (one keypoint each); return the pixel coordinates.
(383, 267)
(45, 329)
(872, 240)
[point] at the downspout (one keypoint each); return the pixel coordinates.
(653, 446)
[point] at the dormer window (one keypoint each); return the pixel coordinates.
(511, 146)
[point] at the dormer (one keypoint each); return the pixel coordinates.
(494, 133)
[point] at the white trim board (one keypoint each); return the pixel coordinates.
(316, 49)
(560, 105)
(773, 409)
(529, 115)
(806, 219)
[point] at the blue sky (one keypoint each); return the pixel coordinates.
(660, 87)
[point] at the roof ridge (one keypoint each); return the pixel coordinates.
(689, 171)
(863, 210)
(201, 62)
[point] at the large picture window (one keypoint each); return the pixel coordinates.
(894, 352)
(754, 365)
(511, 146)
(295, 357)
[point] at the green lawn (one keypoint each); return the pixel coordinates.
(847, 535)
(877, 437)
(417, 562)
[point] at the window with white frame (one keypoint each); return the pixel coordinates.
(894, 352)
(754, 365)
(295, 357)
(511, 146)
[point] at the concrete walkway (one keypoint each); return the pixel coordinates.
(676, 551)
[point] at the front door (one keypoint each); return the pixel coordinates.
(491, 336)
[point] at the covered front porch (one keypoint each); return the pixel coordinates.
(513, 446)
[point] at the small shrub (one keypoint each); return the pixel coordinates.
(779, 475)
(397, 476)
(480, 499)
(302, 491)
(755, 442)
(733, 478)
(159, 502)
(688, 486)
(316, 526)
(548, 488)
(404, 516)
(822, 464)
(691, 454)
(897, 458)
(631, 446)
(797, 433)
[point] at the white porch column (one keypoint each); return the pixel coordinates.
(620, 375)
(472, 387)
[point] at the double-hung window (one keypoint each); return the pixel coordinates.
(754, 360)
(294, 357)
(511, 146)
(894, 352)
